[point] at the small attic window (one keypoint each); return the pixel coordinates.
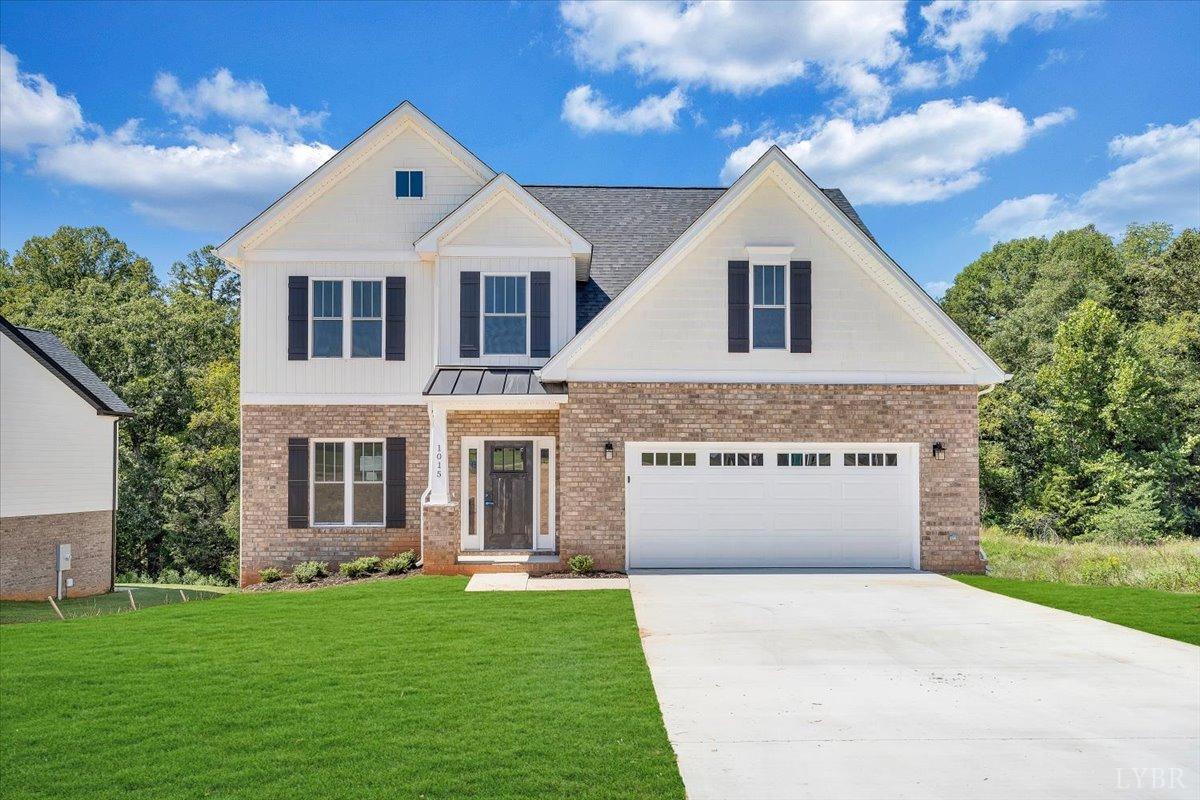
(410, 183)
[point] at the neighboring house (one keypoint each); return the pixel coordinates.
(435, 356)
(58, 468)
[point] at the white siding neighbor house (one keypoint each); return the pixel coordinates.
(501, 375)
(58, 428)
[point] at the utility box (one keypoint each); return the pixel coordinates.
(63, 556)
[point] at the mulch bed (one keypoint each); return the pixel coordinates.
(288, 584)
(584, 575)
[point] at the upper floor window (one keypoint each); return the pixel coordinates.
(769, 323)
(410, 183)
(366, 335)
(329, 321)
(505, 319)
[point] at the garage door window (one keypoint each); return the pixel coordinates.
(870, 460)
(804, 459)
(668, 459)
(735, 459)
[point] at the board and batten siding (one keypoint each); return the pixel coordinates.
(562, 303)
(56, 452)
(681, 325)
(361, 211)
(269, 377)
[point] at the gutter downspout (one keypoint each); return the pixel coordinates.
(112, 572)
(988, 389)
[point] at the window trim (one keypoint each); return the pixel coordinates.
(347, 482)
(786, 306)
(348, 316)
(483, 313)
(424, 184)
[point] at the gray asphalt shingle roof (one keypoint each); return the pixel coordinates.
(55, 356)
(629, 226)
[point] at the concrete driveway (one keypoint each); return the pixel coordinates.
(911, 685)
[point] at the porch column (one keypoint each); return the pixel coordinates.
(439, 481)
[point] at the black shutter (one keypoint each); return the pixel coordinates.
(297, 318)
(539, 320)
(297, 483)
(468, 315)
(801, 302)
(394, 492)
(739, 306)
(393, 334)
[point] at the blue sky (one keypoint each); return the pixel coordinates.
(948, 125)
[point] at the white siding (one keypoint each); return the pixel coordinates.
(503, 224)
(562, 303)
(681, 325)
(361, 211)
(55, 450)
(266, 371)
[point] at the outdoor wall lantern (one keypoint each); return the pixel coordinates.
(939, 451)
(608, 451)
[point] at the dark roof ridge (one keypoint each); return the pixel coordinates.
(621, 186)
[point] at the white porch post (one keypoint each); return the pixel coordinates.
(439, 479)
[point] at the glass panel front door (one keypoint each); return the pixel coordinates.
(508, 496)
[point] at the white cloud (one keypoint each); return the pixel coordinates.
(731, 131)
(962, 30)
(1158, 181)
(937, 151)
(587, 110)
(745, 47)
(937, 289)
(32, 112)
(210, 183)
(223, 95)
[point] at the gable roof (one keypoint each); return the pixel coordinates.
(629, 226)
(50, 352)
(400, 118)
(500, 186)
(842, 227)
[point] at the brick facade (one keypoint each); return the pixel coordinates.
(27, 566)
(590, 488)
(591, 492)
(266, 538)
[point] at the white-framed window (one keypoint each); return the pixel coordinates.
(347, 482)
(768, 315)
(410, 183)
(332, 327)
(366, 322)
(327, 319)
(505, 315)
(870, 460)
(735, 459)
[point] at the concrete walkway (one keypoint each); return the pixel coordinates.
(911, 685)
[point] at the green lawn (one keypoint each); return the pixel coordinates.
(407, 689)
(1176, 616)
(98, 605)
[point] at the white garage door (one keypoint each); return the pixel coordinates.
(771, 505)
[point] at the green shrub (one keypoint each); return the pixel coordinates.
(309, 571)
(581, 564)
(398, 564)
(359, 566)
(270, 574)
(169, 576)
(1136, 520)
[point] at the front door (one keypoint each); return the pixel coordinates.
(508, 496)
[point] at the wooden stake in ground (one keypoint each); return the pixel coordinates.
(132, 604)
(54, 605)
(184, 596)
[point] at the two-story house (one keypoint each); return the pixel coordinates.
(500, 376)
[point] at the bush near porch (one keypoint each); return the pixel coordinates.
(1172, 565)
(409, 688)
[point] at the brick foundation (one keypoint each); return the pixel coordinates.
(27, 566)
(591, 493)
(266, 538)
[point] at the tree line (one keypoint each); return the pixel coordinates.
(1097, 435)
